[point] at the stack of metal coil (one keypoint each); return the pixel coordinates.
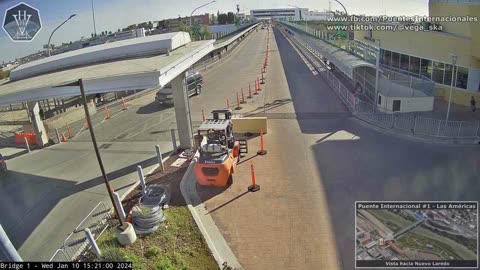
(147, 215)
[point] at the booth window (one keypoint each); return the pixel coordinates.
(426, 68)
(438, 72)
(462, 77)
(396, 105)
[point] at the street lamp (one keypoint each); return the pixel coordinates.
(306, 24)
(454, 62)
(94, 26)
(342, 6)
(199, 8)
(377, 73)
(48, 46)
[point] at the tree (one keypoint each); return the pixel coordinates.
(185, 28)
(206, 32)
(222, 18)
(230, 18)
(118, 30)
(132, 27)
(109, 32)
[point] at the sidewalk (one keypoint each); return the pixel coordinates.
(285, 225)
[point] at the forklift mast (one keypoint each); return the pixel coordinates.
(227, 114)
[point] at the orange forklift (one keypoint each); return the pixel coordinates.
(221, 153)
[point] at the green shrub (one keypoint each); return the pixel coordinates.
(152, 252)
(163, 264)
(112, 255)
(4, 74)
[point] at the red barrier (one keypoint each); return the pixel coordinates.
(31, 138)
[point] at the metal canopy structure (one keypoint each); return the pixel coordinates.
(121, 75)
(123, 49)
(343, 60)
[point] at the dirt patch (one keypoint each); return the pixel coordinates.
(171, 177)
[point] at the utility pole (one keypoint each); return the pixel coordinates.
(94, 26)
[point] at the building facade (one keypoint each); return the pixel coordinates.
(290, 14)
(443, 48)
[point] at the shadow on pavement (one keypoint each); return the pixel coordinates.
(153, 107)
(268, 106)
(227, 202)
(12, 156)
(26, 199)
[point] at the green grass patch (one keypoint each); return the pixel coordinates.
(178, 244)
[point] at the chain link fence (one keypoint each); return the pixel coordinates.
(406, 123)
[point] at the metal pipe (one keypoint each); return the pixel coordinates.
(454, 61)
(93, 243)
(97, 152)
(7, 247)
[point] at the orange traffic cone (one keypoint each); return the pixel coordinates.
(254, 187)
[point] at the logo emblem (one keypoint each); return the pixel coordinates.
(22, 22)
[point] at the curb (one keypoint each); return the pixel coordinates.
(216, 242)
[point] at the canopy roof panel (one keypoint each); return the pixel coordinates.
(121, 75)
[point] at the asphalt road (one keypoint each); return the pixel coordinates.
(45, 194)
(371, 165)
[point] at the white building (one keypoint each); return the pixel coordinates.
(319, 16)
(290, 14)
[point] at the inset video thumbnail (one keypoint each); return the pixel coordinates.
(416, 234)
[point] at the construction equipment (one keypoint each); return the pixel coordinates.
(221, 153)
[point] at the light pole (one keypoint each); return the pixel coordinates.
(48, 46)
(454, 62)
(377, 73)
(94, 26)
(342, 6)
(306, 24)
(199, 8)
(97, 152)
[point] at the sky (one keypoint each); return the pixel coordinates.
(111, 15)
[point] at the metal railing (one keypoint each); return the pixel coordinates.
(406, 123)
(76, 244)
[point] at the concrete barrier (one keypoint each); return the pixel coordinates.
(70, 116)
(250, 124)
